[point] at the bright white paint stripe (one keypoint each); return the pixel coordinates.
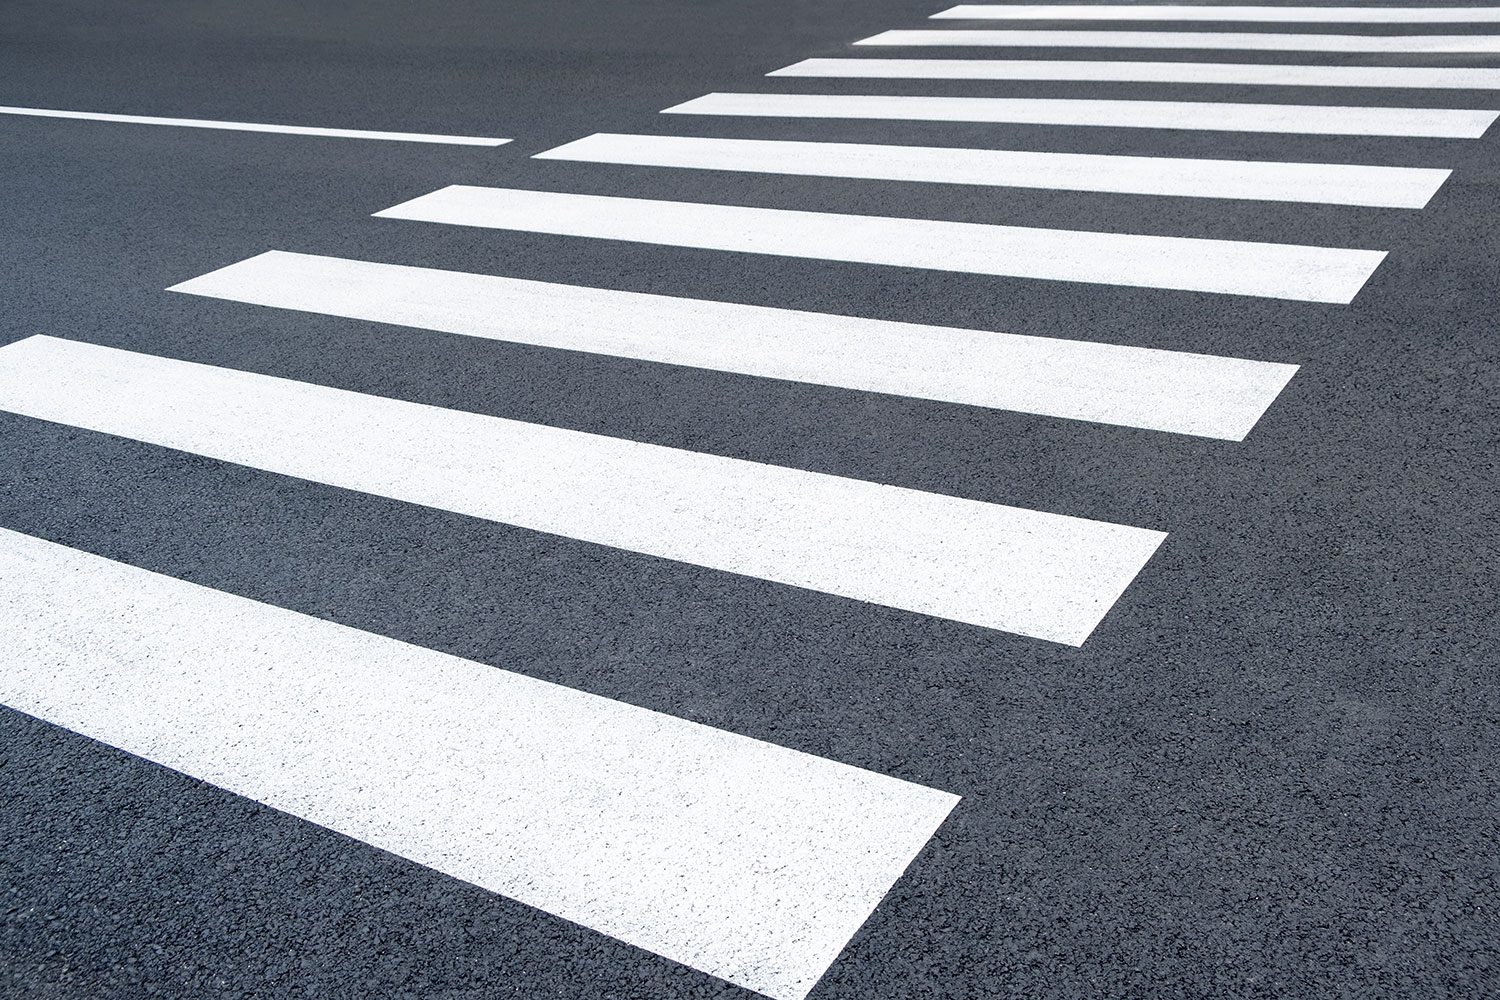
(342, 133)
(742, 859)
(1204, 12)
(1325, 183)
(1414, 77)
(1274, 270)
(1264, 41)
(1131, 386)
(1043, 575)
(1203, 116)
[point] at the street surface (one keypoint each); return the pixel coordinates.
(796, 498)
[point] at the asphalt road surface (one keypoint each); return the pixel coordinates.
(967, 517)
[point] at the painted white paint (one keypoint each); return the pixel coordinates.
(1225, 12)
(1112, 71)
(1262, 41)
(1044, 575)
(1275, 270)
(742, 859)
(337, 133)
(1131, 386)
(1260, 180)
(1200, 116)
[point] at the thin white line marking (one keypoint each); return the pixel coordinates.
(1263, 41)
(1131, 386)
(1203, 116)
(342, 133)
(741, 859)
(1203, 12)
(1416, 77)
(1048, 576)
(1274, 270)
(1325, 183)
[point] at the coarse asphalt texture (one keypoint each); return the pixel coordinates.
(1272, 770)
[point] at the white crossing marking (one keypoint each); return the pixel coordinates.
(1131, 386)
(1263, 41)
(1269, 74)
(1326, 183)
(338, 133)
(1043, 575)
(1206, 12)
(739, 858)
(1274, 270)
(1205, 116)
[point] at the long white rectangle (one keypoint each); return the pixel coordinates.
(337, 133)
(1111, 71)
(1322, 183)
(1202, 116)
(1260, 41)
(1131, 386)
(1208, 12)
(1043, 575)
(742, 859)
(1273, 270)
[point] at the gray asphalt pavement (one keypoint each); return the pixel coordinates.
(1271, 771)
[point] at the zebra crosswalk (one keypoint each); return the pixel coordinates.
(747, 861)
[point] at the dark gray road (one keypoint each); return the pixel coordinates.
(1270, 772)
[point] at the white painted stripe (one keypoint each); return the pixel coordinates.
(1269, 74)
(1131, 386)
(341, 133)
(1043, 575)
(1274, 270)
(1204, 12)
(1262, 41)
(742, 859)
(1325, 183)
(1203, 116)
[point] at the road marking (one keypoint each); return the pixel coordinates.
(739, 858)
(1415, 77)
(1130, 386)
(342, 133)
(1274, 270)
(1204, 116)
(1325, 183)
(1043, 575)
(1264, 41)
(1200, 12)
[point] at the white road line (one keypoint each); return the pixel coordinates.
(1037, 574)
(1269, 74)
(1273, 270)
(1323, 183)
(1204, 12)
(1203, 116)
(1262, 41)
(1130, 386)
(341, 133)
(739, 858)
